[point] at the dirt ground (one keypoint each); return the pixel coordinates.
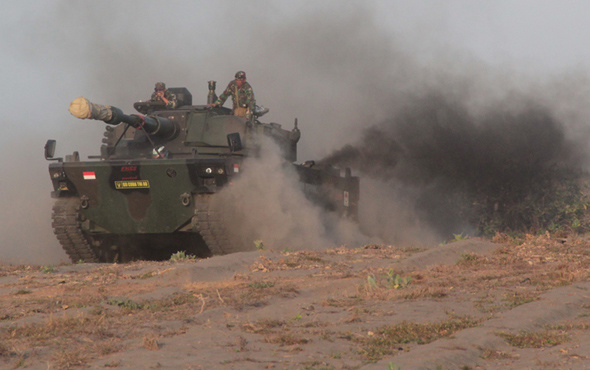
(469, 304)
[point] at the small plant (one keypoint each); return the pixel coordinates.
(395, 281)
(48, 269)
(297, 317)
(371, 282)
(392, 366)
(23, 291)
(468, 259)
(113, 364)
(182, 256)
(459, 237)
(125, 303)
(147, 275)
(259, 244)
(391, 281)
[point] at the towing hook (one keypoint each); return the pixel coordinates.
(84, 201)
(185, 199)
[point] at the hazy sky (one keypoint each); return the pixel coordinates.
(328, 63)
(54, 51)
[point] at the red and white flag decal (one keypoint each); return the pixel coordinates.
(89, 175)
(236, 167)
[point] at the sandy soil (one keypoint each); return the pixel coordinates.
(471, 304)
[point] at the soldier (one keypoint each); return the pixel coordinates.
(161, 94)
(242, 95)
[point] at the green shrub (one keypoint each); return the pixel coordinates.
(182, 256)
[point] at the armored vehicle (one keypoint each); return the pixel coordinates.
(148, 194)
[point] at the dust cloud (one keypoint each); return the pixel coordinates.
(266, 203)
(25, 228)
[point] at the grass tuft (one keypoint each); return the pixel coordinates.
(181, 256)
(539, 339)
(150, 342)
(47, 269)
(375, 347)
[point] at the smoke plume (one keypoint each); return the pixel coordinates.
(455, 164)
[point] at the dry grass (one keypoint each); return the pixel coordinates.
(469, 260)
(67, 358)
(241, 343)
(492, 354)
(514, 299)
(538, 339)
(549, 336)
(263, 326)
(77, 317)
(150, 342)
(382, 341)
(536, 264)
(286, 339)
(343, 301)
(56, 327)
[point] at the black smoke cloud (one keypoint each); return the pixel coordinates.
(456, 164)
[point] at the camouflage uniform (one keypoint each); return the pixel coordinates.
(244, 98)
(168, 95)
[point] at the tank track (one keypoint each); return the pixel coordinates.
(208, 222)
(66, 226)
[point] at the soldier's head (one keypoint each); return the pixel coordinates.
(160, 86)
(240, 78)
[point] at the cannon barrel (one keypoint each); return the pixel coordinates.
(84, 109)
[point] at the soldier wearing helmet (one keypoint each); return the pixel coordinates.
(242, 96)
(161, 94)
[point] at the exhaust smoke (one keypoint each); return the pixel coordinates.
(459, 171)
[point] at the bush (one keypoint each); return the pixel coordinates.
(554, 200)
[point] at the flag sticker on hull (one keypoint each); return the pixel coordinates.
(89, 175)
